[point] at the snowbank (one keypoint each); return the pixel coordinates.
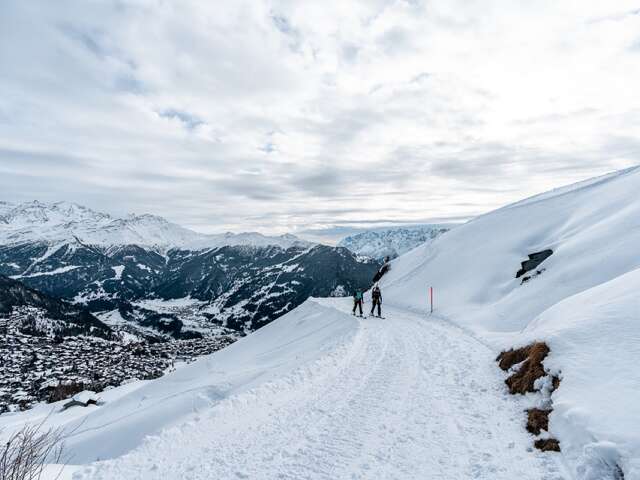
(595, 346)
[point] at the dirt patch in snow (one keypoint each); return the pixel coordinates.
(526, 366)
(531, 357)
(537, 420)
(547, 445)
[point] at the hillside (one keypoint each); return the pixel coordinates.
(321, 394)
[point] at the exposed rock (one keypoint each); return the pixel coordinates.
(534, 260)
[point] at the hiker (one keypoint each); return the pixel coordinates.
(357, 301)
(376, 299)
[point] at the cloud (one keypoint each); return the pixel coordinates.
(189, 120)
(284, 116)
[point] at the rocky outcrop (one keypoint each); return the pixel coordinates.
(534, 260)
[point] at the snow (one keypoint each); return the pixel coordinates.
(593, 337)
(118, 271)
(86, 396)
(317, 394)
(112, 318)
(56, 271)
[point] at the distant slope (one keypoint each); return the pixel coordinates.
(394, 241)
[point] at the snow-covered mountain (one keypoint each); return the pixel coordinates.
(240, 281)
(393, 241)
(65, 222)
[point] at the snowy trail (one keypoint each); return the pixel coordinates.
(406, 397)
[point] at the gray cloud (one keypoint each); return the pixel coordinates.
(286, 115)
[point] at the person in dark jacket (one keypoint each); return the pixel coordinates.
(376, 299)
(357, 301)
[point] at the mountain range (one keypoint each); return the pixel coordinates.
(68, 222)
(112, 266)
(393, 241)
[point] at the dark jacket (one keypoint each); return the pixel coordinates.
(376, 294)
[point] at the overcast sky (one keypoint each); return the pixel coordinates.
(290, 115)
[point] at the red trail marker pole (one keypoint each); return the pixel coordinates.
(431, 298)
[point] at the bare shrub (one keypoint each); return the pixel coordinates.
(25, 453)
(512, 357)
(547, 445)
(531, 369)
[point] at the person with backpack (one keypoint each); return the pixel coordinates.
(357, 301)
(376, 299)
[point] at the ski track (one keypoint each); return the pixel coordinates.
(405, 398)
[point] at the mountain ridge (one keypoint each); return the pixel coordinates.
(392, 242)
(61, 222)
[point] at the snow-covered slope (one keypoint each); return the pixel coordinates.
(394, 241)
(316, 395)
(584, 303)
(64, 222)
(267, 355)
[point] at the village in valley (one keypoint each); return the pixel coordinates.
(41, 365)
